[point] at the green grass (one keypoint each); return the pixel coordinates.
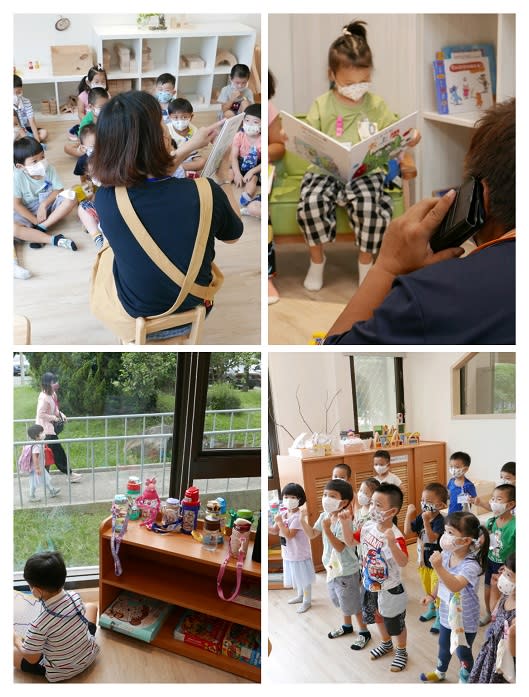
(81, 455)
(72, 530)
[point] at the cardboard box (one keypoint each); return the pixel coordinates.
(71, 60)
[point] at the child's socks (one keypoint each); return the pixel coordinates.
(434, 676)
(364, 637)
(400, 660)
(344, 629)
(429, 614)
(64, 242)
(381, 650)
(314, 278)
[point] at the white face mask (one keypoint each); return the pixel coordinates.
(505, 585)
(497, 508)
(456, 471)
(427, 507)
(329, 504)
(38, 169)
(181, 124)
(291, 503)
(251, 129)
(97, 110)
(378, 516)
(16, 97)
(354, 92)
(380, 469)
(363, 499)
(89, 150)
(448, 542)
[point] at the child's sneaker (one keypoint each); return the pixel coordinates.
(21, 272)
(434, 676)
(74, 478)
(54, 493)
(34, 499)
(64, 242)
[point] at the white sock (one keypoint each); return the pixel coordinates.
(314, 278)
(363, 270)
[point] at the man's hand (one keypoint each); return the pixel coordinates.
(405, 245)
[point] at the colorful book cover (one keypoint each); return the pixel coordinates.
(243, 644)
(468, 84)
(135, 615)
(441, 93)
(457, 51)
(222, 142)
(201, 630)
(343, 160)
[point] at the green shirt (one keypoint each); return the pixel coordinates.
(30, 190)
(327, 108)
(87, 118)
(502, 540)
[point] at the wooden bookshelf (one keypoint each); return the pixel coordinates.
(176, 569)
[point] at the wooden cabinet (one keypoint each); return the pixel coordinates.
(415, 465)
(176, 569)
(446, 138)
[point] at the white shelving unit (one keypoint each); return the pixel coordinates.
(204, 40)
(446, 138)
(41, 84)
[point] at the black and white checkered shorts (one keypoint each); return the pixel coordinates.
(368, 207)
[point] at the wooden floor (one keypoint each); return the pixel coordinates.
(301, 312)
(125, 660)
(55, 298)
(302, 652)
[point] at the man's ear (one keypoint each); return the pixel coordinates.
(486, 196)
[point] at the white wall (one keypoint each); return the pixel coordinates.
(427, 387)
(35, 33)
(298, 47)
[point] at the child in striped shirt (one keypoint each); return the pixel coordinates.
(59, 642)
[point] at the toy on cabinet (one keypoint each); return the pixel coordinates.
(225, 57)
(149, 503)
(147, 62)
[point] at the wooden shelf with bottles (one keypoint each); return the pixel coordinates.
(176, 569)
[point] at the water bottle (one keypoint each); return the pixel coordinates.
(171, 512)
(210, 533)
(120, 509)
(222, 518)
(133, 491)
(240, 536)
(272, 512)
(190, 507)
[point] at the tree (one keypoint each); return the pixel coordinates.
(144, 375)
(222, 362)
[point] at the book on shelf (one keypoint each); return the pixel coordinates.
(242, 644)
(135, 615)
(462, 84)
(474, 50)
(221, 144)
(344, 160)
(249, 595)
(203, 631)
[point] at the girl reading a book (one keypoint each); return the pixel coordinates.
(348, 112)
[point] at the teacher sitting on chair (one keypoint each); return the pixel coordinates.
(160, 230)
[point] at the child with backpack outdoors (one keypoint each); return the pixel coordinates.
(32, 461)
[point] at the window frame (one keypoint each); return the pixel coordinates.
(398, 373)
(190, 460)
(458, 396)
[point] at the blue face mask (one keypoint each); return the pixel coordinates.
(163, 97)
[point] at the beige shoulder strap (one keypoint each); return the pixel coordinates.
(187, 283)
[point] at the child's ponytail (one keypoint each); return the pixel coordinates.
(351, 48)
(483, 544)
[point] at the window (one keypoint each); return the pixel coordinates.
(219, 452)
(378, 393)
(485, 383)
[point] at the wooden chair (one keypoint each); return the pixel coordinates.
(150, 325)
(21, 330)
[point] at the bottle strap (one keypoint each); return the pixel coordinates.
(240, 562)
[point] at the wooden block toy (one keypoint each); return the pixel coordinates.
(194, 61)
(107, 59)
(71, 60)
(147, 62)
(225, 57)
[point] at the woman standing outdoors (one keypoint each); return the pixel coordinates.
(48, 414)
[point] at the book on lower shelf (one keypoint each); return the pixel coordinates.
(203, 631)
(242, 644)
(135, 615)
(462, 84)
(344, 160)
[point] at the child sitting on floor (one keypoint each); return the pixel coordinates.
(39, 197)
(236, 96)
(165, 92)
(59, 642)
(181, 130)
(246, 154)
(97, 98)
(25, 113)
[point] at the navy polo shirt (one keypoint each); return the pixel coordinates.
(169, 210)
(459, 301)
